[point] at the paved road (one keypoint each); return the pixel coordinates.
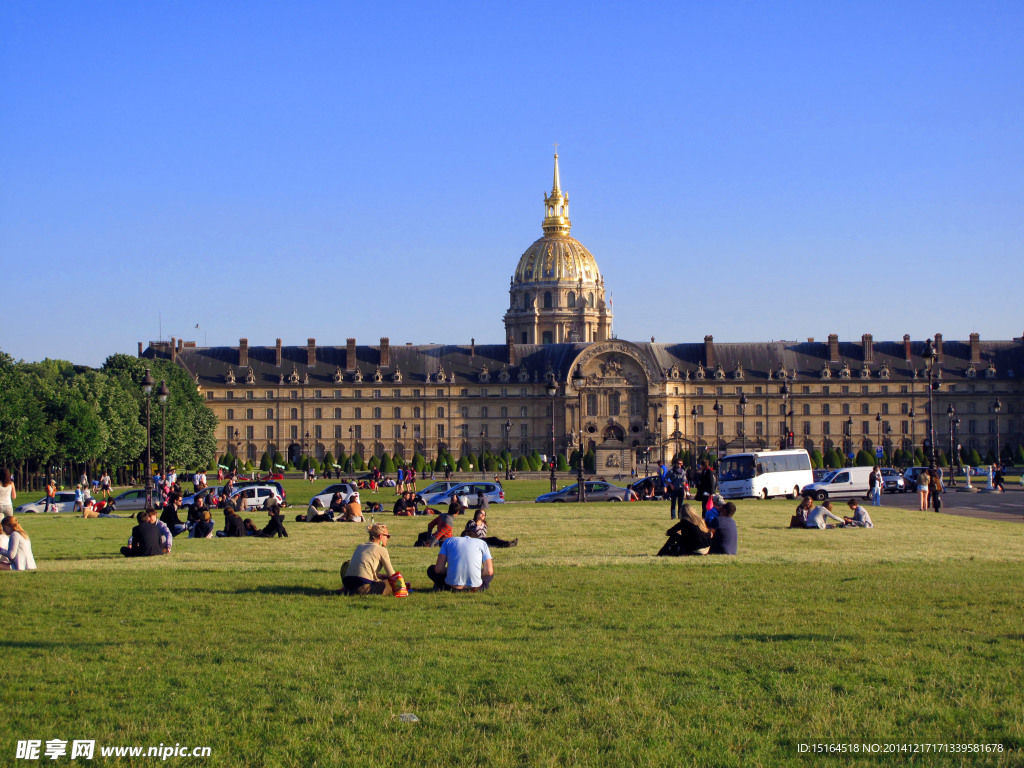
(1007, 506)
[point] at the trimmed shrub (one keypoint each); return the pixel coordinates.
(387, 464)
(590, 461)
(817, 460)
(561, 464)
(463, 464)
(264, 462)
(864, 459)
(329, 461)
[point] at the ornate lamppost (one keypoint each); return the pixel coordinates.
(161, 396)
(743, 419)
(849, 437)
(405, 432)
(996, 408)
(147, 390)
(878, 422)
(352, 440)
(784, 391)
(693, 458)
(953, 453)
(483, 469)
(718, 441)
(931, 356)
(913, 435)
(552, 389)
(677, 434)
(578, 381)
(508, 450)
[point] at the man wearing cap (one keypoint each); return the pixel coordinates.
(675, 487)
(463, 565)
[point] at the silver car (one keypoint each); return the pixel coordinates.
(64, 501)
(467, 493)
(596, 490)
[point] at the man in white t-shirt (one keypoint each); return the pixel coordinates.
(463, 564)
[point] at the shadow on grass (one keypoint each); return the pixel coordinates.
(761, 637)
(285, 589)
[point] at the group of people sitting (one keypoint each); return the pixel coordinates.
(713, 533)
(338, 511)
(809, 515)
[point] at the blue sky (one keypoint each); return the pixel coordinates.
(755, 171)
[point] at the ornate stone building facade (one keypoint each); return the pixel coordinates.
(562, 380)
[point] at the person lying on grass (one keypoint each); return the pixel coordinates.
(816, 517)
(861, 518)
(362, 575)
(690, 536)
(432, 538)
(477, 529)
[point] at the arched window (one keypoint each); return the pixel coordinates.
(590, 299)
(570, 300)
(547, 300)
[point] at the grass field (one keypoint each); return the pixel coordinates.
(587, 651)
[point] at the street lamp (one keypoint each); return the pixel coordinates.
(305, 448)
(931, 356)
(849, 436)
(578, 381)
(718, 442)
(647, 446)
(784, 391)
(551, 389)
(405, 431)
(997, 407)
(508, 450)
(913, 435)
(147, 390)
(161, 396)
(888, 445)
(693, 458)
(483, 469)
(951, 415)
(878, 422)
(677, 434)
(352, 440)
(743, 419)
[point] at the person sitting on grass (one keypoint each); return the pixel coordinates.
(315, 513)
(455, 506)
(149, 538)
(477, 529)
(203, 528)
(861, 518)
(233, 525)
(337, 506)
(816, 517)
(16, 554)
(690, 536)
(362, 574)
(170, 515)
(353, 511)
(431, 537)
(275, 526)
(803, 509)
(463, 565)
(723, 531)
(404, 506)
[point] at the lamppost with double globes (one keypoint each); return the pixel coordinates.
(551, 389)
(931, 356)
(508, 450)
(718, 440)
(578, 381)
(996, 408)
(743, 419)
(693, 458)
(147, 390)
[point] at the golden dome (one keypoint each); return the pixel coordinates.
(557, 257)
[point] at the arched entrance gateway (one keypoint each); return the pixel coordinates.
(610, 406)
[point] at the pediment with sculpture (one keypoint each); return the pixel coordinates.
(615, 363)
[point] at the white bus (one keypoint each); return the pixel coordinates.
(764, 474)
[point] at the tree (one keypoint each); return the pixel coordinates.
(1018, 455)
(387, 464)
(833, 459)
(522, 464)
(463, 464)
(474, 462)
(419, 463)
(373, 463)
(817, 460)
(974, 459)
(864, 459)
(561, 464)
(329, 461)
(590, 461)
(490, 463)
(265, 462)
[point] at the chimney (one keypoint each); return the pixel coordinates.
(310, 351)
(833, 348)
(906, 346)
(243, 353)
(277, 354)
(174, 350)
(512, 356)
(867, 341)
(938, 349)
(975, 348)
(385, 352)
(810, 339)
(140, 349)
(709, 351)
(472, 349)
(350, 355)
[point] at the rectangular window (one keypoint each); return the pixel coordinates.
(757, 390)
(483, 431)
(415, 393)
(807, 409)
(700, 409)
(503, 413)
(464, 393)
(318, 393)
(522, 412)
(270, 395)
(317, 432)
(865, 408)
(231, 395)
(904, 389)
(398, 431)
(439, 393)
(440, 431)
(249, 432)
(807, 427)
(759, 410)
(357, 394)
(337, 394)
(524, 430)
(248, 413)
(700, 429)
(440, 412)
(270, 433)
(295, 433)
(318, 413)
(885, 408)
(806, 390)
(396, 393)
(376, 431)
(719, 391)
(295, 413)
(826, 428)
(591, 405)
(376, 413)
(231, 413)
(885, 389)
(376, 394)
(210, 395)
(483, 392)
(416, 432)
(295, 394)
(483, 412)
(846, 409)
(248, 395)
(758, 427)
(845, 389)
(397, 413)
(825, 390)
(416, 412)
(337, 431)
(904, 427)
(865, 427)
(359, 432)
(825, 409)
(357, 413)
(270, 413)
(700, 390)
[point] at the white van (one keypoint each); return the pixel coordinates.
(851, 481)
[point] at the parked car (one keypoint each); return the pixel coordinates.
(894, 482)
(439, 487)
(243, 483)
(468, 493)
(910, 476)
(206, 493)
(327, 494)
(851, 481)
(659, 487)
(819, 473)
(132, 501)
(254, 496)
(596, 490)
(63, 500)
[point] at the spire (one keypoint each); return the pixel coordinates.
(556, 207)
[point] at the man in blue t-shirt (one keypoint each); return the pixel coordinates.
(463, 564)
(724, 530)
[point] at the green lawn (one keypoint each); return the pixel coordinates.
(587, 651)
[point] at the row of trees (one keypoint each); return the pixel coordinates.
(60, 418)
